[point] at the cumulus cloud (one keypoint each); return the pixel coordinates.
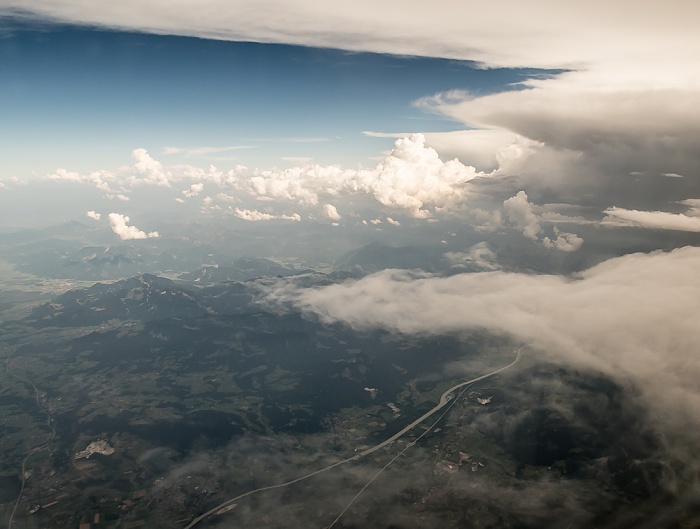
(255, 215)
(566, 242)
(659, 220)
(93, 215)
(298, 184)
(393, 222)
(125, 232)
(99, 179)
(330, 211)
(479, 257)
(194, 190)
(488, 220)
(631, 317)
(148, 170)
(414, 178)
(485, 149)
(519, 211)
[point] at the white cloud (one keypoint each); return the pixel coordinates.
(93, 215)
(414, 178)
(411, 178)
(255, 215)
(194, 190)
(15, 180)
(538, 34)
(554, 216)
(480, 256)
(393, 222)
(519, 211)
(653, 219)
(632, 316)
(566, 242)
(672, 175)
(99, 179)
(330, 211)
(694, 204)
(125, 232)
(486, 149)
(298, 184)
(204, 151)
(489, 220)
(149, 170)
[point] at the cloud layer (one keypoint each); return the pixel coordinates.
(448, 29)
(632, 317)
(412, 179)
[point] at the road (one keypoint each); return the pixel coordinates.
(444, 400)
(36, 449)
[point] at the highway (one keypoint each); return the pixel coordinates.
(445, 398)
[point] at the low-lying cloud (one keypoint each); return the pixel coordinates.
(632, 317)
(119, 225)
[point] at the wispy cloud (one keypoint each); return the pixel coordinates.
(300, 139)
(254, 215)
(204, 151)
(659, 220)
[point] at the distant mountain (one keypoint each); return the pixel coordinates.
(377, 256)
(143, 298)
(231, 298)
(69, 259)
(242, 269)
(67, 230)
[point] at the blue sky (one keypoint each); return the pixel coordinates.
(85, 98)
